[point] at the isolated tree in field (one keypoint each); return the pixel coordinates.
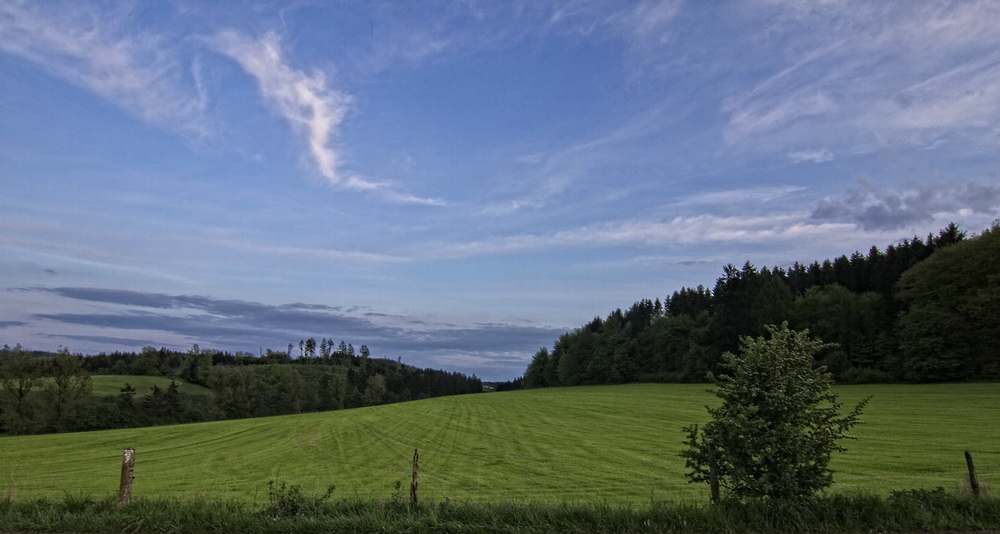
(778, 423)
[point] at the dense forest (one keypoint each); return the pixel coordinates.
(42, 392)
(922, 310)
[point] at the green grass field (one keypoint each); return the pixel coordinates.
(617, 444)
(102, 385)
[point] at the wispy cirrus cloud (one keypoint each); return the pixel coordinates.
(553, 172)
(135, 319)
(811, 156)
(644, 21)
(92, 48)
(304, 99)
(741, 196)
(698, 229)
(405, 35)
(854, 76)
(309, 103)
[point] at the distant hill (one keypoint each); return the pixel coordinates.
(102, 385)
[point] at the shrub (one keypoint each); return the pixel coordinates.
(289, 501)
(778, 423)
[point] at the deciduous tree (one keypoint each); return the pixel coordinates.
(19, 375)
(778, 423)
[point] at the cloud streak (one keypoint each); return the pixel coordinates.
(90, 49)
(309, 104)
(304, 100)
(691, 230)
(859, 75)
(135, 319)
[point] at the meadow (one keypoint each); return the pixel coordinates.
(102, 385)
(602, 444)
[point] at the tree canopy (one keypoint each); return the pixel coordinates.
(918, 310)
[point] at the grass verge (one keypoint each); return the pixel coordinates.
(909, 511)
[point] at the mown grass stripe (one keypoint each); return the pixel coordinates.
(609, 443)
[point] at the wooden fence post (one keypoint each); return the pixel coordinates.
(128, 469)
(413, 484)
(713, 473)
(973, 477)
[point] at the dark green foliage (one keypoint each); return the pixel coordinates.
(850, 321)
(291, 501)
(20, 374)
(66, 392)
(242, 386)
(778, 422)
(535, 375)
(923, 332)
(903, 512)
(949, 328)
(745, 300)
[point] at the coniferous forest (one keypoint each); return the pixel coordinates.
(922, 310)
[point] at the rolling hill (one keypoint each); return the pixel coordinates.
(111, 385)
(600, 443)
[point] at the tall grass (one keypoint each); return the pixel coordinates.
(920, 511)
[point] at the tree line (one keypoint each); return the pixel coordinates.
(42, 392)
(921, 310)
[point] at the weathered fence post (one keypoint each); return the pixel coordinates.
(125, 487)
(713, 473)
(413, 484)
(973, 477)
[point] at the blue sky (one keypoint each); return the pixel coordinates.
(458, 183)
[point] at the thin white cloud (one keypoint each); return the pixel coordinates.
(748, 120)
(698, 229)
(403, 35)
(556, 171)
(135, 71)
(876, 214)
(966, 96)
(858, 75)
(637, 21)
(309, 104)
(303, 99)
(811, 156)
(741, 196)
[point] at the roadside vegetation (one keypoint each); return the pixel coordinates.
(926, 511)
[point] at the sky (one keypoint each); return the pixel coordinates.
(457, 183)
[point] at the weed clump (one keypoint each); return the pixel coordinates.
(290, 501)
